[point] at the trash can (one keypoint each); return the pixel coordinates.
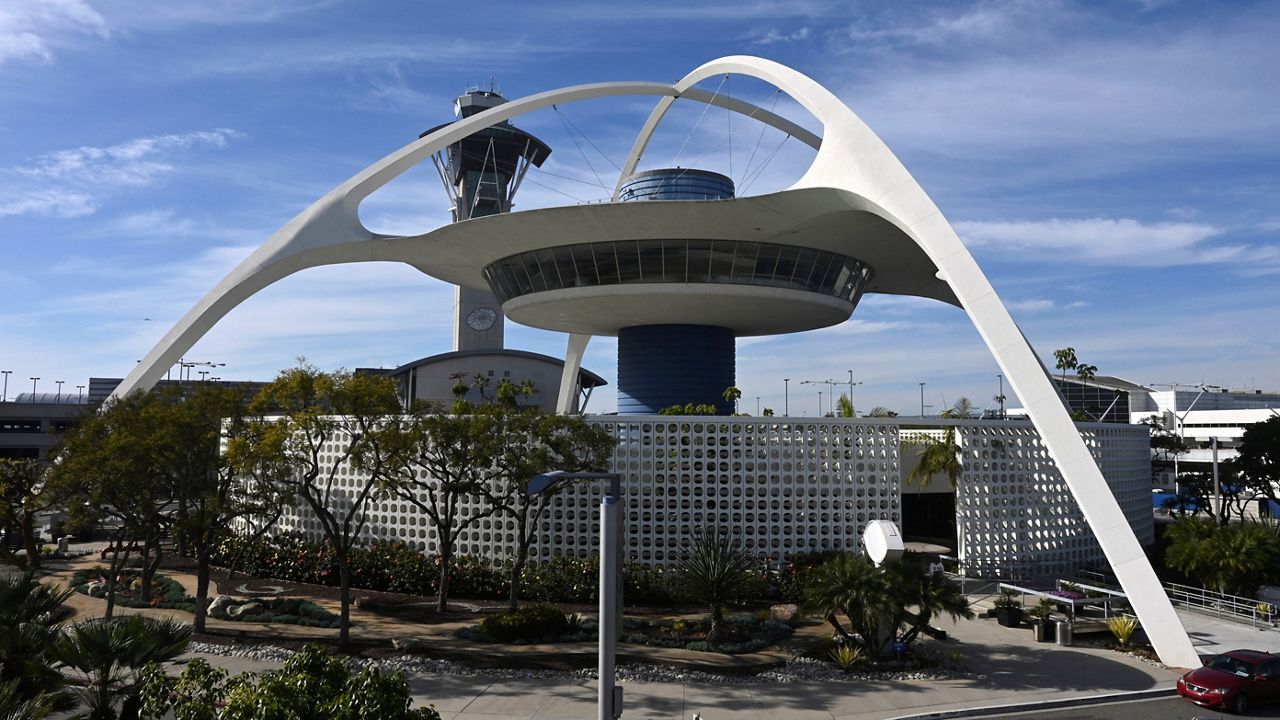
(1064, 633)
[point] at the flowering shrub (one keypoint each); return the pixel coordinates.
(1067, 594)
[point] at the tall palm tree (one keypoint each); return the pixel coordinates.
(109, 656)
(715, 571)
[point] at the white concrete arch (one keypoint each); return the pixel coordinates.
(330, 232)
(853, 158)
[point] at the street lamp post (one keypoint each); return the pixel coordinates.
(80, 397)
(1000, 397)
(4, 396)
(58, 397)
(757, 406)
(921, 399)
(609, 701)
(786, 396)
(33, 389)
(819, 403)
(1182, 436)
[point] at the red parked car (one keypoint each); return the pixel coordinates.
(1234, 680)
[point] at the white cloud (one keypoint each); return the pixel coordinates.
(73, 183)
(1108, 241)
(30, 29)
(1038, 304)
(773, 36)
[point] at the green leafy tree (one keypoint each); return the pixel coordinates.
(107, 657)
(115, 468)
(312, 684)
(440, 461)
(937, 457)
(1233, 558)
(31, 618)
(307, 426)
(880, 411)
(1257, 463)
(527, 443)
(23, 495)
(715, 570)
(210, 492)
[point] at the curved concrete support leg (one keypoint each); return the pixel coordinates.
(567, 402)
(853, 158)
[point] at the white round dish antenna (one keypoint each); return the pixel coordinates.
(882, 541)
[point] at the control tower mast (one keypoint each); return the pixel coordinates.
(481, 174)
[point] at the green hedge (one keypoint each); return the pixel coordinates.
(397, 567)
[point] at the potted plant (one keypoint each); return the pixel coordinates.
(1042, 623)
(1009, 609)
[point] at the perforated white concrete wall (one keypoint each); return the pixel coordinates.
(793, 486)
(1016, 517)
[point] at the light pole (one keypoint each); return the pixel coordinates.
(58, 397)
(786, 397)
(1182, 436)
(5, 395)
(33, 389)
(609, 702)
(819, 403)
(922, 400)
(80, 397)
(1000, 397)
(757, 406)
(853, 410)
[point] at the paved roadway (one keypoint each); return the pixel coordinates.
(1163, 709)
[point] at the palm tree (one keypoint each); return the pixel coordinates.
(31, 617)
(844, 406)
(1066, 360)
(936, 457)
(880, 411)
(109, 656)
(715, 571)
(930, 595)
(851, 585)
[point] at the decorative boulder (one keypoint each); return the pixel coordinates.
(784, 613)
(248, 608)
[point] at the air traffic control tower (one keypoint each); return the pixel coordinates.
(481, 174)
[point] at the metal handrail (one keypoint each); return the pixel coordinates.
(1258, 614)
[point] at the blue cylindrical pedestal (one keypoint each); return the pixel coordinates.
(664, 365)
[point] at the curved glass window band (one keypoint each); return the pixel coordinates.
(719, 262)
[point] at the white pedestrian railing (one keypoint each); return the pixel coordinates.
(1227, 607)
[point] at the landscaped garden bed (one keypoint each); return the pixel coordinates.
(168, 593)
(547, 624)
(165, 592)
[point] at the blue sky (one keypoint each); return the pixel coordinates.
(1113, 167)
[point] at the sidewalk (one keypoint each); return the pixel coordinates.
(1014, 670)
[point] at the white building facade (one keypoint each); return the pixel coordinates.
(786, 487)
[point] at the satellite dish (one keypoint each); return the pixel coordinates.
(882, 541)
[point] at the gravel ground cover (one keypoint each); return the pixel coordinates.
(796, 670)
